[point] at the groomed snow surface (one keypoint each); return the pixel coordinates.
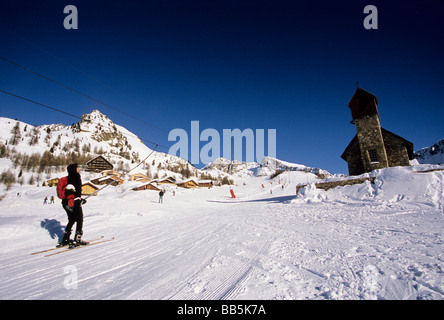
(368, 241)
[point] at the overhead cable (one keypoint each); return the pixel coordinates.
(80, 93)
(72, 115)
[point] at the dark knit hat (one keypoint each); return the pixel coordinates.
(72, 169)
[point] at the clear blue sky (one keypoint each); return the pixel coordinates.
(284, 65)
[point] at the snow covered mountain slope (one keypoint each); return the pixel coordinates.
(433, 154)
(365, 241)
(368, 241)
(268, 167)
(41, 153)
(269, 163)
(26, 146)
(47, 149)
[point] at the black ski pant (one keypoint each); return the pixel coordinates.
(75, 215)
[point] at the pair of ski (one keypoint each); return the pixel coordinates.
(62, 249)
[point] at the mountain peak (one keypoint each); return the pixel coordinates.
(95, 116)
(433, 154)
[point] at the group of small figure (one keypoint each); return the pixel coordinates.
(51, 200)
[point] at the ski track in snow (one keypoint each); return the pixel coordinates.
(202, 245)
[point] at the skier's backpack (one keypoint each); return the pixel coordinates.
(61, 187)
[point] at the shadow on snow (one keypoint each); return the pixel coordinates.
(54, 228)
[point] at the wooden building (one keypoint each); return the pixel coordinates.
(88, 189)
(190, 183)
(111, 173)
(167, 180)
(139, 177)
(52, 182)
(114, 181)
(98, 164)
(373, 147)
(206, 184)
(146, 186)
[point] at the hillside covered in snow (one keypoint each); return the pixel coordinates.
(43, 152)
(33, 155)
(433, 154)
(379, 239)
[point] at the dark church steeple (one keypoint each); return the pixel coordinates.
(363, 104)
(373, 147)
(364, 109)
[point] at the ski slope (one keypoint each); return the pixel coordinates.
(381, 241)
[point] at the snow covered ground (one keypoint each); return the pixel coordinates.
(368, 241)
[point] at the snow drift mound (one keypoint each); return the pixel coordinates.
(403, 187)
(310, 194)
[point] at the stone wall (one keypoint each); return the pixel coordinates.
(354, 160)
(339, 183)
(397, 154)
(370, 138)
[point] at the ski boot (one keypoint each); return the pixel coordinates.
(78, 240)
(65, 241)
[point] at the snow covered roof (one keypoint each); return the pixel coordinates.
(187, 180)
(205, 181)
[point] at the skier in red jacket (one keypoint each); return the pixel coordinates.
(73, 207)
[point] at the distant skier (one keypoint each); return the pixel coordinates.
(51, 200)
(73, 206)
(45, 200)
(161, 193)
